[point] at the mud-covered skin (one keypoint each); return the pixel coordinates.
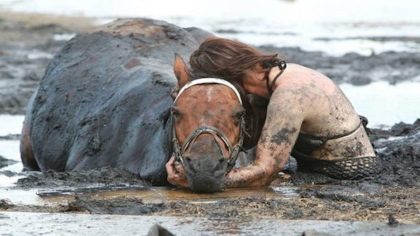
(304, 101)
(105, 99)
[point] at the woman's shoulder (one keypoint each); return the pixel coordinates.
(306, 79)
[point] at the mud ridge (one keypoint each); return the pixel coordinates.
(106, 176)
(120, 206)
(5, 162)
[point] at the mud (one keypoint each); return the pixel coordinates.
(356, 69)
(105, 176)
(10, 137)
(27, 44)
(119, 206)
(5, 162)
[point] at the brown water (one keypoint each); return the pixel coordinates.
(54, 197)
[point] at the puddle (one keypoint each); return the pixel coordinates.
(10, 150)
(385, 104)
(153, 195)
(63, 37)
(10, 124)
(39, 55)
(286, 191)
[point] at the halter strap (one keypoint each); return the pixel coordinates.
(281, 65)
(209, 81)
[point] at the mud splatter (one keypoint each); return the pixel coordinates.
(283, 136)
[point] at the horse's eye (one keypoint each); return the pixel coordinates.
(175, 112)
(238, 115)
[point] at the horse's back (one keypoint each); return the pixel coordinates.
(105, 99)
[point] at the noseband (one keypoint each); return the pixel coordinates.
(233, 150)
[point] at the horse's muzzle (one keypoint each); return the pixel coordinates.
(205, 174)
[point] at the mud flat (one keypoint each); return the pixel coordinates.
(28, 42)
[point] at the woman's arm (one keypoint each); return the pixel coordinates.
(280, 131)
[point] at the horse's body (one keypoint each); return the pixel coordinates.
(105, 101)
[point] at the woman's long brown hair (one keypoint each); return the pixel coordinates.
(226, 59)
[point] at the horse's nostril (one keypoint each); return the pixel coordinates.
(221, 160)
(188, 159)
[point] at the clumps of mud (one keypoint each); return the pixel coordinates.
(119, 206)
(5, 204)
(105, 176)
(399, 152)
(5, 162)
(353, 68)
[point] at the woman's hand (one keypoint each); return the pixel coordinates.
(250, 176)
(176, 173)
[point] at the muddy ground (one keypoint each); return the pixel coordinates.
(393, 195)
(27, 43)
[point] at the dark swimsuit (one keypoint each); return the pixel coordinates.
(347, 168)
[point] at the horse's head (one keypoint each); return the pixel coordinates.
(208, 122)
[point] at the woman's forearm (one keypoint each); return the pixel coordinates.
(250, 176)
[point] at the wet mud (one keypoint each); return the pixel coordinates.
(393, 195)
(5, 162)
(105, 176)
(27, 44)
(356, 69)
(119, 206)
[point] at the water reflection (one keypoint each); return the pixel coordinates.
(10, 124)
(385, 104)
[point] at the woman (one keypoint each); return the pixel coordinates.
(308, 116)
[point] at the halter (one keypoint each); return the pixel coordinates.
(233, 150)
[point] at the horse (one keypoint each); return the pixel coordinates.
(105, 100)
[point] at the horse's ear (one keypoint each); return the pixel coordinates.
(181, 71)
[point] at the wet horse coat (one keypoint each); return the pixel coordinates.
(105, 99)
